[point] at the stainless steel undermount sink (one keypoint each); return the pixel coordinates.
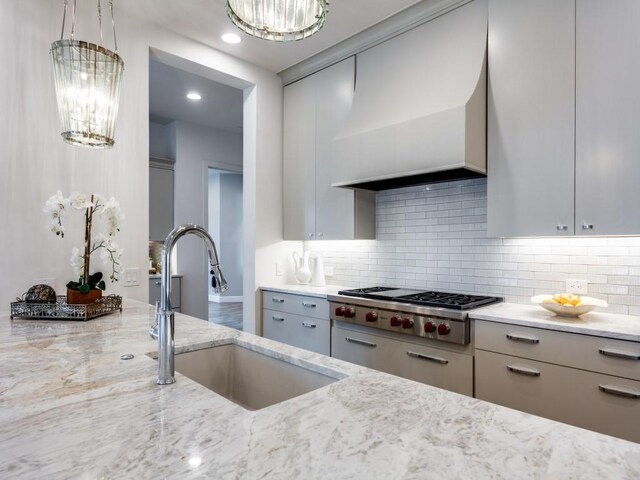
(248, 378)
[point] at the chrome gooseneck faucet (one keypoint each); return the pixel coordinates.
(163, 329)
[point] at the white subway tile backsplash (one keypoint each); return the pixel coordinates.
(437, 239)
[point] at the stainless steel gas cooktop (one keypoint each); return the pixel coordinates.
(441, 316)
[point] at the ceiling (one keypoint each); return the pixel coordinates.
(220, 107)
(205, 21)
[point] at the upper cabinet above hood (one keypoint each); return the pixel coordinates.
(419, 108)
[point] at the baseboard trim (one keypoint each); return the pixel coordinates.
(216, 298)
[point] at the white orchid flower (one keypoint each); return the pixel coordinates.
(79, 201)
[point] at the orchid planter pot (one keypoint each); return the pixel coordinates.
(75, 297)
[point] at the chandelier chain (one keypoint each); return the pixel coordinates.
(113, 24)
(100, 22)
(64, 18)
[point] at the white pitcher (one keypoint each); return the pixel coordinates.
(302, 272)
(317, 279)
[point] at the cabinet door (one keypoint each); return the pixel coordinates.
(160, 202)
(607, 117)
(299, 160)
(602, 403)
(531, 117)
(335, 213)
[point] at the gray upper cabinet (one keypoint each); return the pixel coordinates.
(160, 201)
(531, 118)
(563, 115)
(315, 108)
(607, 117)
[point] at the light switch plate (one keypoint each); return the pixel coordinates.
(131, 277)
(577, 286)
(328, 271)
(279, 269)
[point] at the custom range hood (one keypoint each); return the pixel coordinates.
(419, 108)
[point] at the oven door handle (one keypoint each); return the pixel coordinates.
(429, 358)
(361, 342)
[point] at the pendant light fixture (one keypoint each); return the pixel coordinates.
(278, 20)
(87, 81)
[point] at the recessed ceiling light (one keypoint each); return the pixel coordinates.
(193, 96)
(231, 38)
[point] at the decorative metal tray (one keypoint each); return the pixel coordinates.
(61, 310)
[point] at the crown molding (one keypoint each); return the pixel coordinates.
(393, 26)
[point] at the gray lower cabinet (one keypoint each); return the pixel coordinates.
(589, 382)
(176, 292)
(298, 320)
(420, 362)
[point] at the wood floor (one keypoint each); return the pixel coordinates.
(227, 314)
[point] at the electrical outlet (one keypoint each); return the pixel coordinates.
(279, 269)
(131, 277)
(46, 281)
(577, 286)
(328, 271)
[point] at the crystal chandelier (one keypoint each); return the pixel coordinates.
(87, 81)
(278, 20)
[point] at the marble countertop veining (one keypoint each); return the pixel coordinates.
(310, 290)
(71, 408)
(597, 323)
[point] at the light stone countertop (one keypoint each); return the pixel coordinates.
(596, 323)
(310, 290)
(71, 408)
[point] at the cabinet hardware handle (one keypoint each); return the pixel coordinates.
(308, 325)
(308, 305)
(621, 392)
(320, 234)
(587, 226)
(524, 371)
(619, 354)
(158, 283)
(311, 235)
(428, 357)
(522, 338)
(361, 342)
(278, 319)
(562, 228)
(277, 300)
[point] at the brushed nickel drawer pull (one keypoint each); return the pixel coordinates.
(524, 371)
(522, 338)
(158, 283)
(308, 305)
(428, 357)
(361, 342)
(308, 325)
(621, 392)
(618, 354)
(277, 300)
(278, 319)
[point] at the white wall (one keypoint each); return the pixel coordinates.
(437, 239)
(36, 162)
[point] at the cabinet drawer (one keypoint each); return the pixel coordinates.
(303, 332)
(597, 354)
(298, 304)
(564, 394)
(425, 364)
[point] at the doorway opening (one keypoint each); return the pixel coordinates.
(196, 126)
(224, 224)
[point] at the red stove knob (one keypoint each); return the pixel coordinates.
(339, 311)
(395, 321)
(430, 327)
(443, 329)
(371, 316)
(407, 323)
(349, 312)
